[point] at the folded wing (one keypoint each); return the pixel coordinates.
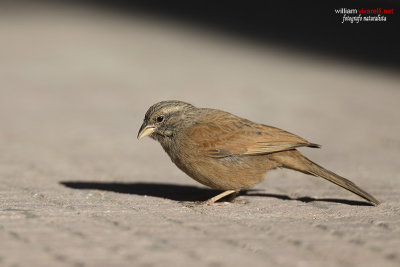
(221, 134)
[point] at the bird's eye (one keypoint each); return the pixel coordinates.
(160, 118)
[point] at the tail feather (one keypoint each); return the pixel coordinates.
(314, 145)
(296, 161)
(319, 171)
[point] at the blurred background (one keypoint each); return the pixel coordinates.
(80, 70)
(76, 78)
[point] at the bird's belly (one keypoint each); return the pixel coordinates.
(234, 172)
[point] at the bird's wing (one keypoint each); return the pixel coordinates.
(221, 134)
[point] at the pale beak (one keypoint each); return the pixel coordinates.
(145, 130)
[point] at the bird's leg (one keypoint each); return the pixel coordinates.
(232, 196)
(212, 200)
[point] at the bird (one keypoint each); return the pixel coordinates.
(227, 152)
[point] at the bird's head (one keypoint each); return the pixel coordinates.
(165, 119)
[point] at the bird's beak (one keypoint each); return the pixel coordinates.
(145, 130)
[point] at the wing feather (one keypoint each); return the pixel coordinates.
(221, 134)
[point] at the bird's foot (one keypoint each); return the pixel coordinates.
(230, 194)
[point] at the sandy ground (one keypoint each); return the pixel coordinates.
(78, 189)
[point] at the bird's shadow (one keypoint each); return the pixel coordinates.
(189, 193)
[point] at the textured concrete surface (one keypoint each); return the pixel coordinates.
(78, 189)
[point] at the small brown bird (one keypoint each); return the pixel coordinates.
(226, 152)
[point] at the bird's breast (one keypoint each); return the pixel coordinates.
(232, 172)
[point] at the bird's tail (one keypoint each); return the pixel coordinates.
(294, 160)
